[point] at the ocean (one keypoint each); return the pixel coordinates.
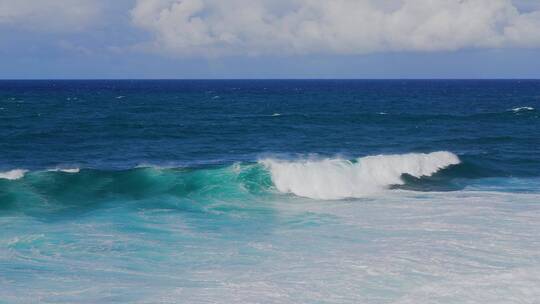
(270, 191)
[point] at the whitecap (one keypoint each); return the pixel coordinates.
(65, 170)
(13, 174)
(522, 109)
(339, 178)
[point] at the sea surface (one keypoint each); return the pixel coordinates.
(270, 191)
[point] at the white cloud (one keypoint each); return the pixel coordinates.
(49, 15)
(221, 27)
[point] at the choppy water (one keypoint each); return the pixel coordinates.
(270, 191)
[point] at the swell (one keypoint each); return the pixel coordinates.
(518, 112)
(186, 189)
(330, 178)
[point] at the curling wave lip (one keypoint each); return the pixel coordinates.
(339, 178)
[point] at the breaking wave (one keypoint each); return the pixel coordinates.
(340, 178)
(317, 179)
(13, 174)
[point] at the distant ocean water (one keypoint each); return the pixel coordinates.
(270, 191)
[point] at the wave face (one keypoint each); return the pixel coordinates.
(193, 189)
(339, 178)
(40, 193)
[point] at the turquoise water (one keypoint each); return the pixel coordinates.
(269, 191)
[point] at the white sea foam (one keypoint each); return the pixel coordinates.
(66, 170)
(13, 174)
(522, 109)
(338, 178)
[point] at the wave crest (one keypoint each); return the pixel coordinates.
(522, 109)
(65, 170)
(339, 178)
(13, 174)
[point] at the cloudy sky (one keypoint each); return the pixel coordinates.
(270, 39)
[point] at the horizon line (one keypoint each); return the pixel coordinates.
(253, 79)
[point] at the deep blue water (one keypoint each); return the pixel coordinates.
(120, 124)
(179, 191)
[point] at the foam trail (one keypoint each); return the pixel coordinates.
(65, 170)
(339, 178)
(13, 174)
(521, 109)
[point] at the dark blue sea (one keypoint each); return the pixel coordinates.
(270, 191)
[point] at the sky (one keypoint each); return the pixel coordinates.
(159, 39)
